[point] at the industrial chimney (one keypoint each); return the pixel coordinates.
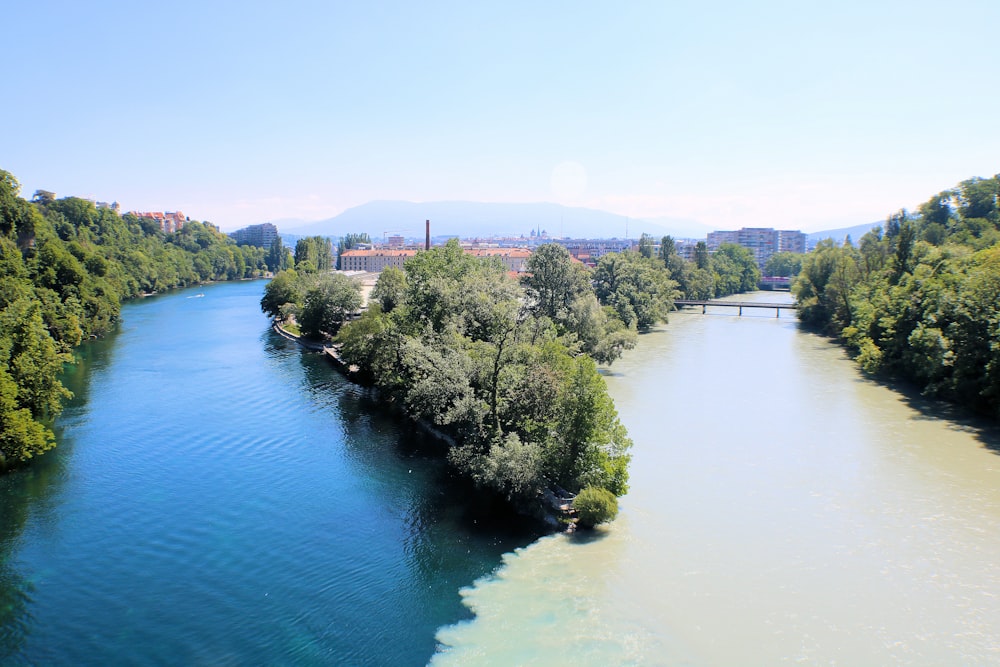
(427, 237)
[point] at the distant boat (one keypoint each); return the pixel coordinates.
(196, 296)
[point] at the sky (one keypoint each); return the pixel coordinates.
(792, 114)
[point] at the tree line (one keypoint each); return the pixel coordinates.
(918, 299)
(504, 369)
(732, 269)
(66, 266)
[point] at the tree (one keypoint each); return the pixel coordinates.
(285, 288)
(646, 246)
(328, 303)
(667, 250)
(595, 505)
(786, 264)
(553, 281)
(390, 288)
(701, 259)
(278, 256)
(735, 270)
(313, 253)
(638, 289)
(349, 242)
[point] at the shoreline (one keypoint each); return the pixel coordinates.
(550, 508)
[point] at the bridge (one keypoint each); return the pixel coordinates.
(775, 283)
(735, 304)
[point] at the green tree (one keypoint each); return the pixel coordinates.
(349, 242)
(594, 506)
(553, 281)
(668, 249)
(639, 291)
(284, 289)
(313, 253)
(701, 257)
(328, 303)
(390, 289)
(646, 246)
(278, 256)
(786, 264)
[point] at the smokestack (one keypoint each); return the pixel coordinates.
(427, 238)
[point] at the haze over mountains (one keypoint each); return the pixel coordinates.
(472, 219)
(480, 219)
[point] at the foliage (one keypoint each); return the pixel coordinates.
(595, 505)
(278, 257)
(348, 242)
(735, 270)
(921, 301)
(787, 264)
(283, 290)
(495, 366)
(65, 268)
(328, 302)
(313, 254)
(390, 289)
(558, 288)
(639, 289)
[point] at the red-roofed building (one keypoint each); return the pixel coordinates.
(169, 222)
(515, 259)
(374, 261)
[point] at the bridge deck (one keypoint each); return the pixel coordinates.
(735, 304)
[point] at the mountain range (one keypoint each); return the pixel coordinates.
(464, 219)
(478, 219)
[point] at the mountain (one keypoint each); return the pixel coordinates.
(478, 219)
(838, 235)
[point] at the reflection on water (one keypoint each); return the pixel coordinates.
(782, 509)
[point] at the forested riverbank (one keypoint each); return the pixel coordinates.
(66, 266)
(505, 369)
(919, 299)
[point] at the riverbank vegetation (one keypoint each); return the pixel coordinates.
(731, 269)
(505, 371)
(66, 266)
(919, 299)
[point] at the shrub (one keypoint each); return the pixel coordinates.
(595, 505)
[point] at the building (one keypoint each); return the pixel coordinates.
(374, 261)
(761, 241)
(589, 251)
(169, 221)
(515, 259)
(791, 241)
(262, 235)
(378, 259)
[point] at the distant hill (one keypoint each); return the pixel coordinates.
(481, 219)
(478, 219)
(838, 235)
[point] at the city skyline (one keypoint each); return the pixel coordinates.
(731, 116)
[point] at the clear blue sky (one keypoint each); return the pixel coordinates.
(795, 114)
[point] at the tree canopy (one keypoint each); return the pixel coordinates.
(504, 370)
(919, 301)
(66, 266)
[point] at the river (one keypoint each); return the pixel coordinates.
(783, 510)
(219, 497)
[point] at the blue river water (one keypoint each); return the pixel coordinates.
(220, 497)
